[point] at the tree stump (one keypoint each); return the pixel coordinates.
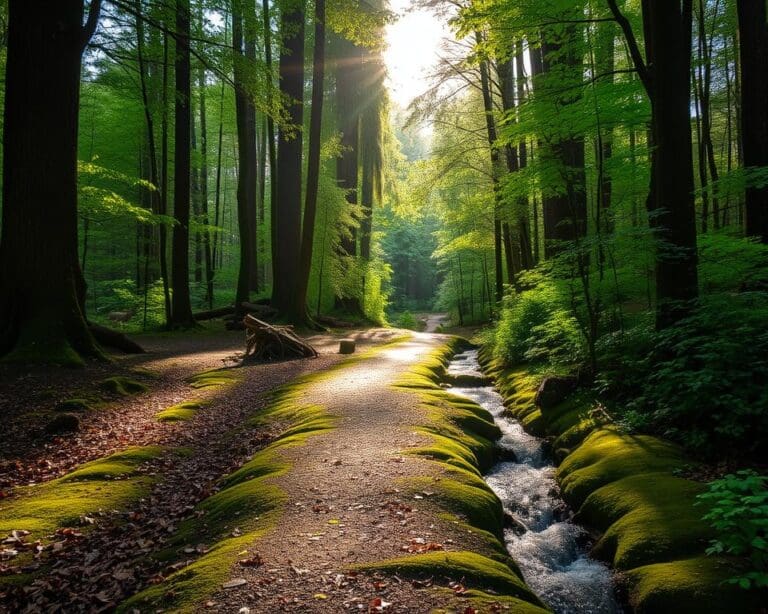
(267, 342)
(347, 346)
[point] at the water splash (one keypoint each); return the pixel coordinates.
(549, 549)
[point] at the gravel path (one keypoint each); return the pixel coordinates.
(344, 500)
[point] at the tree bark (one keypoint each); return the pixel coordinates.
(42, 290)
(181, 307)
(666, 76)
(313, 162)
(246, 153)
(753, 48)
(289, 162)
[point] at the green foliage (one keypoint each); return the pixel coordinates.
(407, 320)
(536, 326)
(738, 511)
(700, 382)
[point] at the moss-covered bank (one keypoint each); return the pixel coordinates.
(627, 488)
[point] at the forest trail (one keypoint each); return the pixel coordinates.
(345, 497)
(341, 489)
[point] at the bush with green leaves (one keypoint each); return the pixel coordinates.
(407, 320)
(738, 512)
(536, 326)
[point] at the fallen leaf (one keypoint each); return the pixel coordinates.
(320, 596)
(254, 561)
(234, 583)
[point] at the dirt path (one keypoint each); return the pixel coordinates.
(28, 398)
(346, 500)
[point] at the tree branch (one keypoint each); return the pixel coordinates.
(634, 48)
(89, 29)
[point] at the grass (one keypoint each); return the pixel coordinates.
(122, 386)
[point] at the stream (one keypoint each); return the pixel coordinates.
(550, 550)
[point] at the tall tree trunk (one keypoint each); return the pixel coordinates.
(565, 211)
(246, 154)
(665, 72)
(490, 125)
(181, 307)
(753, 33)
(348, 95)
(313, 162)
(271, 143)
(289, 163)
(526, 250)
(163, 246)
(42, 290)
(207, 254)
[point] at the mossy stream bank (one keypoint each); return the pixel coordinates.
(627, 490)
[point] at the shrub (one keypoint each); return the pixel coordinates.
(535, 326)
(739, 516)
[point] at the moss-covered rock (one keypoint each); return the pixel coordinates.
(647, 518)
(122, 386)
(179, 413)
(74, 405)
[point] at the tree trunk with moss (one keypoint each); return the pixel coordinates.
(42, 290)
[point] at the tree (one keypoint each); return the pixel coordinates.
(753, 33)
(42, 290)
(287, 209)
(181, 306)
(313, 162)
(246, 149)
(666, 75)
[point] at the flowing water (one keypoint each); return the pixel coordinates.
(550, 550)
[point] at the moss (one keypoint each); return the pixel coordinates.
(608, 455)
(690, 586)
(534, 423)
(59, 503)
(484, 602)
(74, 405)
(466, 496)
(471, 569)
(649, 518)
(214, 378)
(180, 412)
(122, 386)
(120, 465)
(576, 434)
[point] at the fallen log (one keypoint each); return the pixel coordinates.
(266, 342)
(212, 314)
(113, 339)
(334, 322)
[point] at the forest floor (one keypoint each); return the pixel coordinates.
(342, 501)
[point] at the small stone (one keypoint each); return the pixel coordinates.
(347, 346)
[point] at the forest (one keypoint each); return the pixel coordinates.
(384, 305)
